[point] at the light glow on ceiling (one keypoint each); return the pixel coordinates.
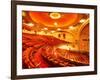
(59, 29)
(52, 31)
(55, 23)
(45, 28)
(82, 20)
(29, 24)
(71, 27)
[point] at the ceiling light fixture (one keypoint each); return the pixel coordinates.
(55, 15)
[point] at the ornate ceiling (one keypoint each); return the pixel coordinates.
(55, 19)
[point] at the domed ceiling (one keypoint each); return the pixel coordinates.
(55, 19)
